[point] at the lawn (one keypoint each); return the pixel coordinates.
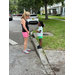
(57, 28)
(57, 17)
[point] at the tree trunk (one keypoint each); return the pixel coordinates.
(46, 15)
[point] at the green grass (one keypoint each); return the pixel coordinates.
(57, 28)
(57, 17)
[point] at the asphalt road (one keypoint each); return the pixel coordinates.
(19, 62)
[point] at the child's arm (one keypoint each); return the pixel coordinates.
(38, 31)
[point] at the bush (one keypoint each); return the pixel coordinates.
(57, 15)
(43, 14)
(12, 12)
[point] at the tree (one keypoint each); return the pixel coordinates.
(27, 4)
(36, 4)
(50, 2)
(13, 5)
(22, 4)
(63, 4)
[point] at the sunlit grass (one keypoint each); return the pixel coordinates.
(57, 28)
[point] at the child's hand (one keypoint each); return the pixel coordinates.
(36, 30)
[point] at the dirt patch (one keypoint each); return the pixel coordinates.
(47, 34)
(44, 34)
(55, 69)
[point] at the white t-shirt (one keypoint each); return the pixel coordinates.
(41, 33)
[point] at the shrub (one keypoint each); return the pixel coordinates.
(57, 15)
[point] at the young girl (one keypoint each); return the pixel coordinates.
(25, 30)
(40, 33)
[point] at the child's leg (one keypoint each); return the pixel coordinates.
(40, 42)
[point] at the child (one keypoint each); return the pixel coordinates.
(40, 33)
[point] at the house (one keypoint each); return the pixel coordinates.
(54, 9)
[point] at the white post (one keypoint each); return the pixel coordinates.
(41, 11)
(16, 12)
(24, 9)
(59, 10)
(30, 10)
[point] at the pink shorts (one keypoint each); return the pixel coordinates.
(25, 34)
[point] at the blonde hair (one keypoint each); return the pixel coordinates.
(26, 13)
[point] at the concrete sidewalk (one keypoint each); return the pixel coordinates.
(55, 59)
(24, 64)
(55, 18)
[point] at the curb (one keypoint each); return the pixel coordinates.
(44, 61)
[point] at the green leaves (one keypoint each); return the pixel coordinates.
(13, 5)
(34, 4)
(27, 4)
